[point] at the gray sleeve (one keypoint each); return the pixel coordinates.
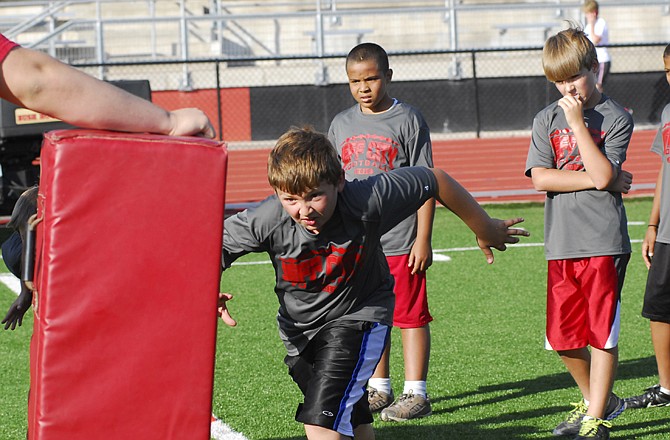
(658, 145)
(422, 150)
(247, 231)
(402, 192)
(331, 134)
(617, 140)
(540, 153)
(237, 239)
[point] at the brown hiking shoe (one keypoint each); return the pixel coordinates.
(407, 407)
(379, 400)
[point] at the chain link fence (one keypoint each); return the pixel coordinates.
(472, 67)
(461, 93)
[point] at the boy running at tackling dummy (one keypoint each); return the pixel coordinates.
(334, 287)
(376, 135)
(656, 255)
(577, 147)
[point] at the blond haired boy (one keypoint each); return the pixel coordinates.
(577, 147)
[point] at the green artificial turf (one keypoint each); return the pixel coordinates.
(490, 377)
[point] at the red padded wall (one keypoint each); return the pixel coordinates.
(127, 276)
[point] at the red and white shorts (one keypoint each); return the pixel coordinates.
(411, 299)
(583, 302)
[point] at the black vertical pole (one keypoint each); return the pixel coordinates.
(478, 123)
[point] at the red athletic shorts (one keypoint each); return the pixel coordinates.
(411, 299)
(583, 302)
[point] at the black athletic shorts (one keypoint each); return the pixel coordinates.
(333, 371)
(656, 305)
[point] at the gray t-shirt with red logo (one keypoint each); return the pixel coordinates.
(340, 273)
(582, 223)
(661, 146)
(370, 144)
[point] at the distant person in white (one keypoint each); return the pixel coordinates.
(596, 30)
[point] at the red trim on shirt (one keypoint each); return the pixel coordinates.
(5, 46)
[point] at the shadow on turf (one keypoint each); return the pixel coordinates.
(485, 429)
(482, 428)
(630, 369)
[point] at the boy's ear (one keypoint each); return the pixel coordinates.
(341, 182)
(596, 67)
(389, 75)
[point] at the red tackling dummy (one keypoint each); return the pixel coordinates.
(127, 275)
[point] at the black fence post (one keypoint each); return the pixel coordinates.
(478, 123)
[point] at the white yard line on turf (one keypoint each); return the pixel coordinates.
(221, 431)
(11, 282)
(437, 253)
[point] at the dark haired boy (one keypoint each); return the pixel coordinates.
(378, 134)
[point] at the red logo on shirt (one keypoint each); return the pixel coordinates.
(323, 269)
(666, 141)
(368, 154)
(566, 153)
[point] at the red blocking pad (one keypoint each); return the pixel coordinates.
(127, 274)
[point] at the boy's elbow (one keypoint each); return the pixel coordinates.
(600, 186)
(602, 182)
(539, 183)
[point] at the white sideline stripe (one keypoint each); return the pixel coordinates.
(221, 431)
(532, 192)
(11, 282)
(437, 253)
(440, 257)
(476, 248)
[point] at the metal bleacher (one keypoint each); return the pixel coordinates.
(104, 30)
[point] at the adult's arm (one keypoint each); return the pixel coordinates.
(41, 83)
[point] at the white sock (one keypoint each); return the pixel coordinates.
(415, 387)
(665, 390)
(381, 384)
(586, 402)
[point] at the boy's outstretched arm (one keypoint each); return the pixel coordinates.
(490, 232)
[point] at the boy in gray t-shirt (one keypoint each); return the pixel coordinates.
(656, 255)
(378, 134)
(577, 147)
(334, 287)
